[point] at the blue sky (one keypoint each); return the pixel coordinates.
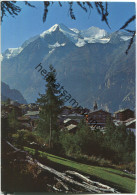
(14, 31)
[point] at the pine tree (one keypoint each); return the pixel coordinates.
(50, 107)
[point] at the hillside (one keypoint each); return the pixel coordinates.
(12, 94)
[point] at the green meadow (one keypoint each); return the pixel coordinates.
(121, 181)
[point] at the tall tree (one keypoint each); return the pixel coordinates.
(50, 105)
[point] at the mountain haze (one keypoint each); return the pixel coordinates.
(91, 65)
(12, 94)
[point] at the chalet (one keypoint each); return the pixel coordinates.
(98, 118)
(76, 117)
(124, 114)
(129, 123)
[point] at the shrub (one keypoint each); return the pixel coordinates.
(68, 143)
(25, 138)
(131, 167)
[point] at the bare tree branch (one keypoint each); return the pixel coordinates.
(11, 8)
(128, 22)
(46, 4)
(131, 42)
(71, 10)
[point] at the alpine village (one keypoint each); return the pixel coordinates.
(48, 146)
(68, 97)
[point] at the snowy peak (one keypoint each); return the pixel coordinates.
(79, 38)
(75, 30)
(60, 27)
(70, 34)
(119, 36)
(53, 28)
(94, 32)
(57, 27)
(12, 52)
(64, 29)
(95, 35)
(57, 45)
(58, 33)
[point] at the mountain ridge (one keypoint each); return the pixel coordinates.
(92, 63)
(88, 35)
(12, 94)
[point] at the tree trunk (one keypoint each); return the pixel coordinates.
(50, 134)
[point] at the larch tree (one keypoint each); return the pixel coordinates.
(50, 107)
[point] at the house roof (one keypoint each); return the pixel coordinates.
(70, 127)
(92, 112)
(127, 122)
(32, 113)
(122, 110)
(130, 121)
(67, 120)
(27, 118)
(75, 114)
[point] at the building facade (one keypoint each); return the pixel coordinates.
(123, 115)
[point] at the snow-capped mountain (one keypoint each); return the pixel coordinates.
(91, 64)
(78, 37)
(12, 52)
(73, 36)
(94, 32)
(82, 37)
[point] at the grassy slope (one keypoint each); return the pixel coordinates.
(117, 178)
